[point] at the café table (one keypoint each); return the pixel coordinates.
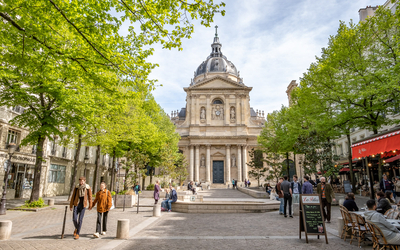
(396, 223)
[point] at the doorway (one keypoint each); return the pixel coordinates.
(218, 172)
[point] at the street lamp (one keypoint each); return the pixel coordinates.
(11, 150)
(86, 159)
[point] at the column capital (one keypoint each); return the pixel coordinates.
(196, 145)
(228, 145)
(208, 145)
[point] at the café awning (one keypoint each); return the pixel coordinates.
(377, 145)
(348, 169)
(392, 159)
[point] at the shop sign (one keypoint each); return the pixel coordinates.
(19, 158)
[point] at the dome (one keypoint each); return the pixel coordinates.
(216, 62)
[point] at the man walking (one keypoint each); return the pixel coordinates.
(104, 203)
(286, 189)
(386, 185)
(80, 198)
(307, 186)
(233, 183)
(326, 195)
(296, 189)
(280, 194)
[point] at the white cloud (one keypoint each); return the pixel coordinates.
(270, 42)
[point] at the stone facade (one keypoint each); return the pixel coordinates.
(57, 165)
(217, 127)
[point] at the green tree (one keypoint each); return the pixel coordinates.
(256, 165)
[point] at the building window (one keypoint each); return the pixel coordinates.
(34, 149)
(64, 152)
(18, 109)
(56, 174)
(217, 101)
(12, 136)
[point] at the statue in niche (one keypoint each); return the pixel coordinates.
(233, 161)
(203, 113)
(203, 161)
(233, 114)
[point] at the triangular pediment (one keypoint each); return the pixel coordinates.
(217, 154)
(218, 82)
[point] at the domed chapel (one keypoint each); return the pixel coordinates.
(217, 127)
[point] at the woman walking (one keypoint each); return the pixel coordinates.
(104, 203)
(157, 191)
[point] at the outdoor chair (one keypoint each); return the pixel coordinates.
(360, 228)
(341, 206)
(347, 226)
(389, 213)
(378, 239)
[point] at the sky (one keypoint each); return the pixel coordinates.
(271, 43)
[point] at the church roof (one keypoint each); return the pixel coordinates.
(216, 61)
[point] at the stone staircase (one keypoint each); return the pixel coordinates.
(219, 186)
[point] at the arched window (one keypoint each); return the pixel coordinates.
(217, 101)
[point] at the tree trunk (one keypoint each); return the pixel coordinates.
(126, 178)
(151, 175)
(352, 180)
(38, 170)
(97, 170)
(112, 188)
(143, 181)
(75, 170)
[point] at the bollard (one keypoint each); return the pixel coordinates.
(50, 202)
(157, 210)
(5, 229)
(123, 229)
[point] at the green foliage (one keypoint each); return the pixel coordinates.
(256, 165)
(112, 193)
(150, 187)
(122, 192)
(35, 204)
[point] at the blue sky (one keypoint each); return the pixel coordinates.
(271, 42)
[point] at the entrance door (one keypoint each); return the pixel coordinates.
(18, 186)
(218, 172)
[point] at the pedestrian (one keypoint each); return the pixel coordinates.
(383, 203)
(136, 188)
(349, 202)
(173, 198)
(268, 188)
(389, 197)
(376, 186)
(104, 202)
(389, 231)
(248, 182)
(386, 185)
(191, 187)
(286, 189)
(81, 198)
(307, 186)
(156, 194)
(233, 183)
(296, 189)
(245, 182)
(397, 186)
(325, 191)
(280, 194)
(236, 184)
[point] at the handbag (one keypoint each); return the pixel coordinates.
(112, 201)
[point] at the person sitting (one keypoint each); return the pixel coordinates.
(389, 197)
(192, 187)
(166, 198)
(173, 198)
(383, 203)
(390, 232)
(268, 188)
(349, 203)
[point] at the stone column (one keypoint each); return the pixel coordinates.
(228, 163)
(245, 162)
(239, 163)
(208, 164)
(191, 163)
(197, 163)
(226, 113)
(197, 112)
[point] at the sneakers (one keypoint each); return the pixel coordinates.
(76, 230)
(97, 235)
(169, 210)
(103, 233)
(76, 237)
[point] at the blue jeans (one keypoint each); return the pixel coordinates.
(169, 204)
(281, 207)
(78, 223)
(164, 204)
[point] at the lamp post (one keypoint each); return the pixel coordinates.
(11, 150)
(86, 162)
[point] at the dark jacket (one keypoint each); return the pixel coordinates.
(299, 186)
(307, 188)
(383, 205)
(136, 188)
(329, 194)
(190, 187)
(382, 186)
(278, 190)
(350, 205)
(174, 196)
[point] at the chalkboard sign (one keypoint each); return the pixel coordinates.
(311, 219)
(347, 186)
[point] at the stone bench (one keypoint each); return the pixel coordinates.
(254, 193)
(190, 198)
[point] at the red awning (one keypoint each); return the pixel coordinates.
(392, 159)
(377, 145)
(347, 170)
